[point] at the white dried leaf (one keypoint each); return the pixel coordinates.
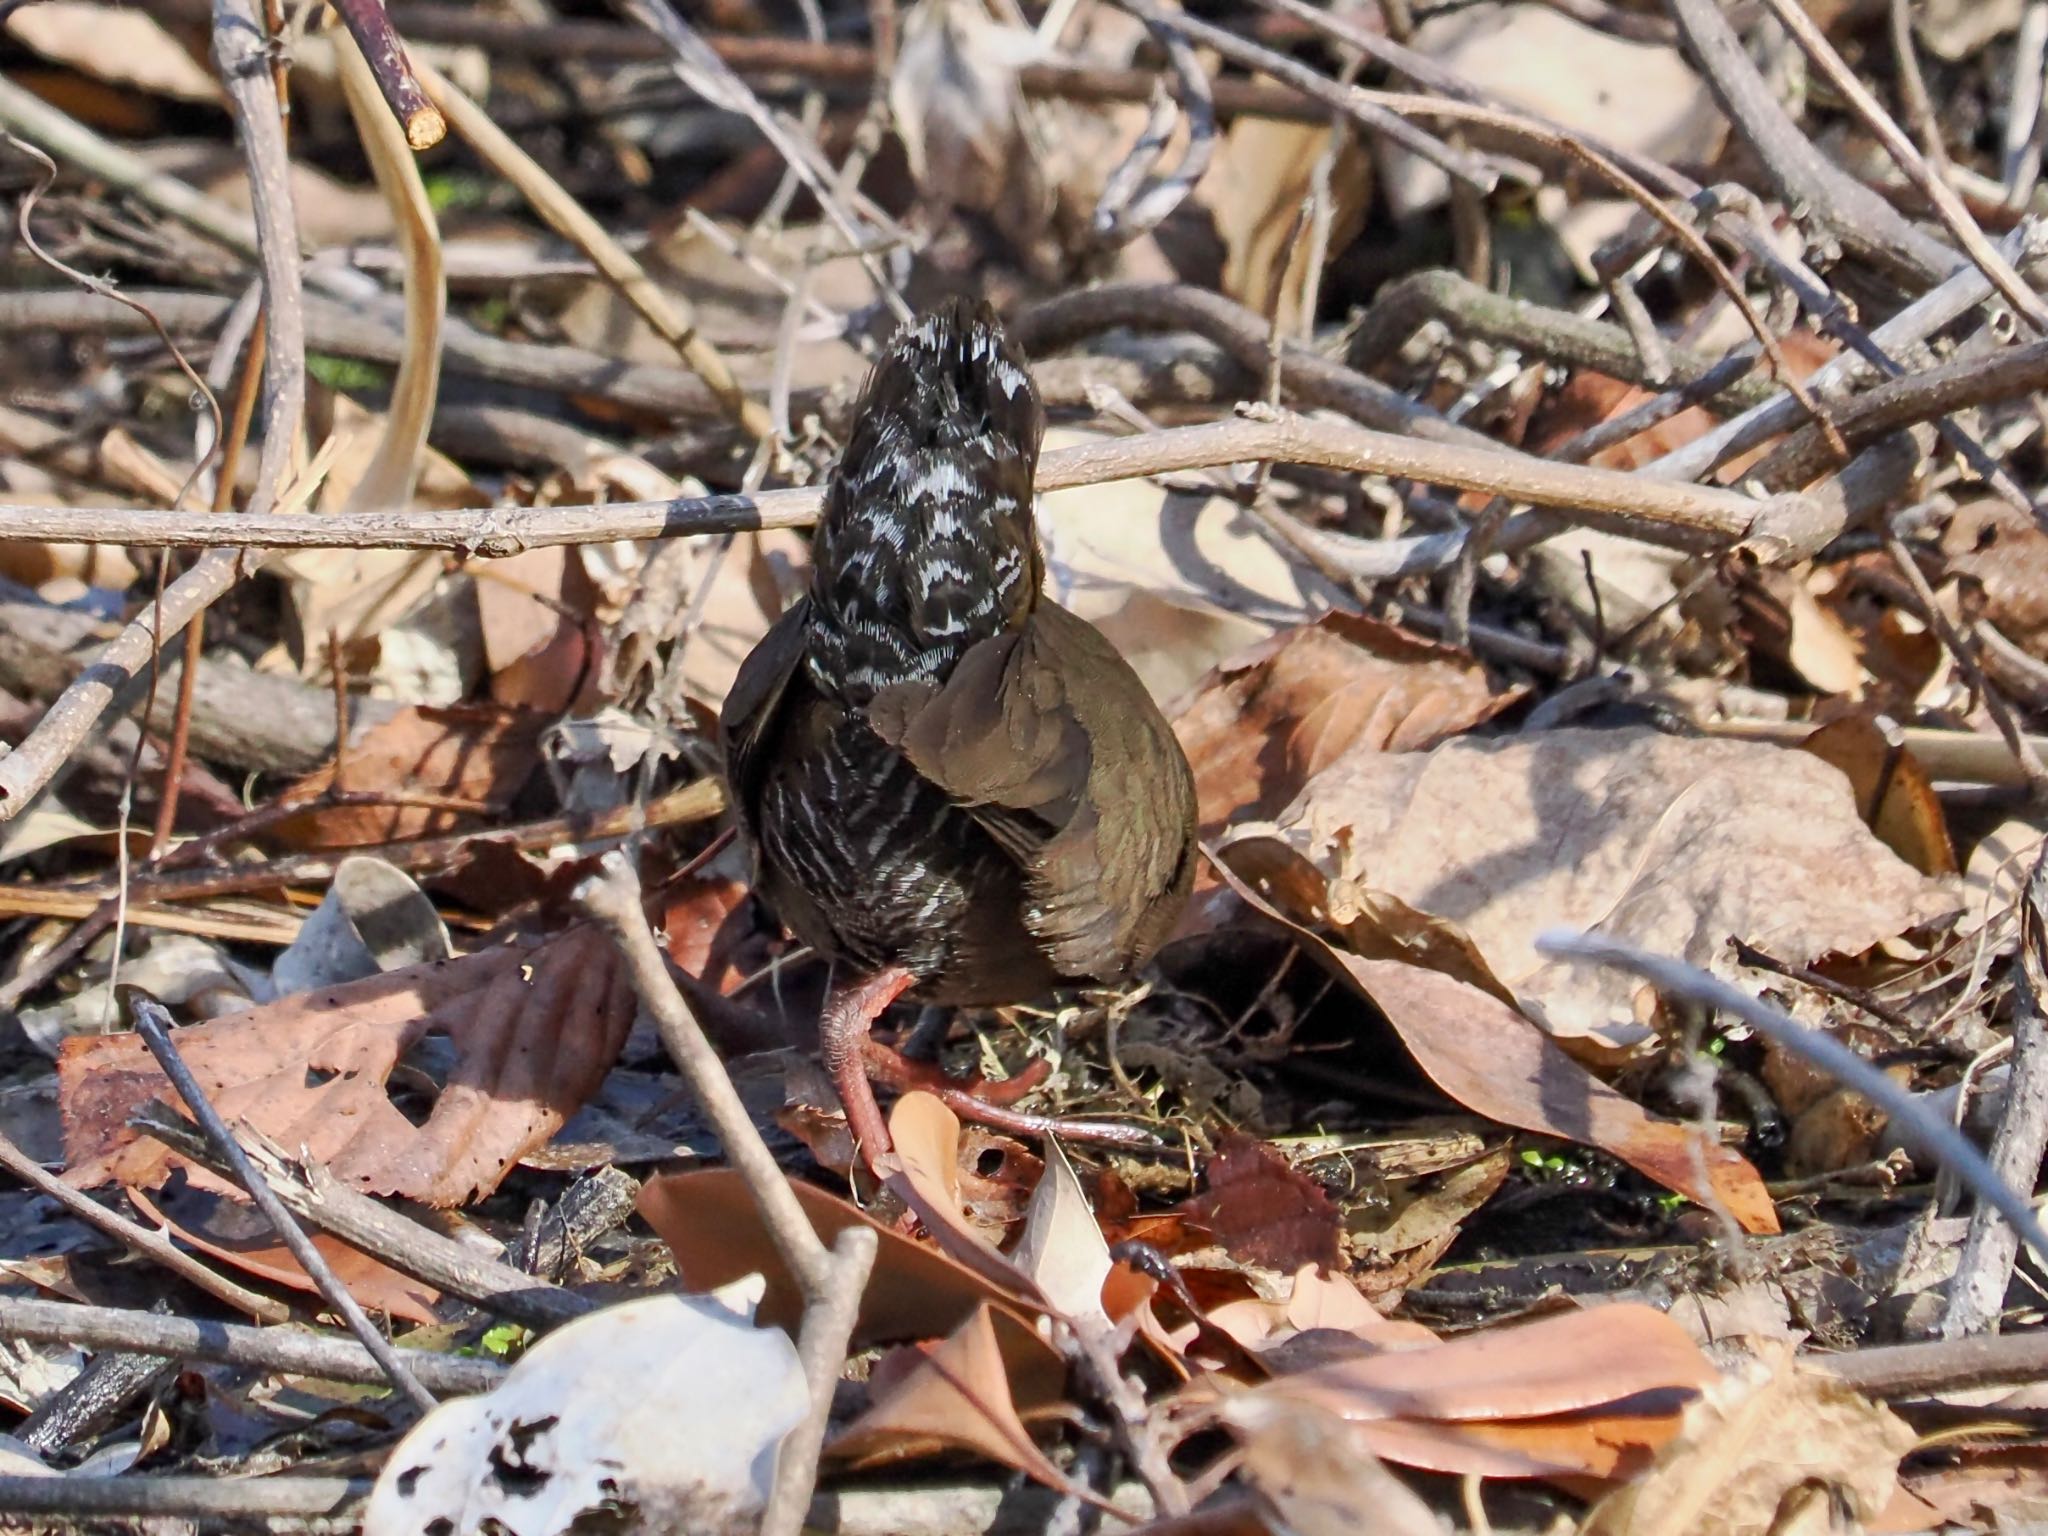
(662, 1414)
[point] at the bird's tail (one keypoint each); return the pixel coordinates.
(927, 543)
(950, 384)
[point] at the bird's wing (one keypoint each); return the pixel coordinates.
(750, 703)
(1036, 734)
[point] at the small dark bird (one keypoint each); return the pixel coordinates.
(953, 787)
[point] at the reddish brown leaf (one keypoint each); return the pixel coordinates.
(697, 920)
(712, 1226)
(1491, 1059)
(927, 1138)
(534, 1027)
(1262, 1210)
(1593, 1393)
(1893, 792)
(468, 753)
(235, 1232)
(954, 1394)
(1260, 726)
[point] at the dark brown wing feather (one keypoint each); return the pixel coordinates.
(750, 704)
(1047, 737)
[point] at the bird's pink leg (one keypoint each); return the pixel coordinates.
(842, 1041)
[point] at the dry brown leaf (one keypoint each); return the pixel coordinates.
(1589, 1393)
(1998, 870)
(473, 753)
(1334, 1301)
(1264, 723)
(1672, 844)
(1318, 1474)
(1256, 187)
(1894, 794)
(2006, 553)
(926, 1134)
(1177, 581)
(1973, 1492)
(534, 1027)
(699, 925)
(1755, 1443)
(1638, 96)
(955, 1394)
(1490, 1058)
(1264, 1211)
(235, 1232)
(1397, 1253)
(712, 1226)
(538, 655)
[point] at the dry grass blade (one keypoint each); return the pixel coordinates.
(394, 471)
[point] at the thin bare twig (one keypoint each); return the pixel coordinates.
(1959, 647)
(1658, 511)
(832, 1279)
(1947, 206)
(146, 1241)
(1976, 1296)
(1134, 201)
(242, 58)
(152, 1021)
(1481, 173)
(313, 1194)
(668, 313)
(698, 65)
(1913, 84)
(1930, 1133)
(1865, 224)
(326, 1357)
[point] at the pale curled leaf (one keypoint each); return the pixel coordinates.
(1751, 1445)
(1318, 1474)
(1591, 1393)
(1062, 1249)
(118, 44)
(1670, 843)
(534, 1027)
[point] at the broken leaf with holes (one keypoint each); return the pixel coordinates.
(519, 1034)
(1459, 857)
(663, 1414)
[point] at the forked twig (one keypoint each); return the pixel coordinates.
(832, 1279)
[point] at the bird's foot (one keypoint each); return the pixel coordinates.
(986, 1103)
(893, 1069)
